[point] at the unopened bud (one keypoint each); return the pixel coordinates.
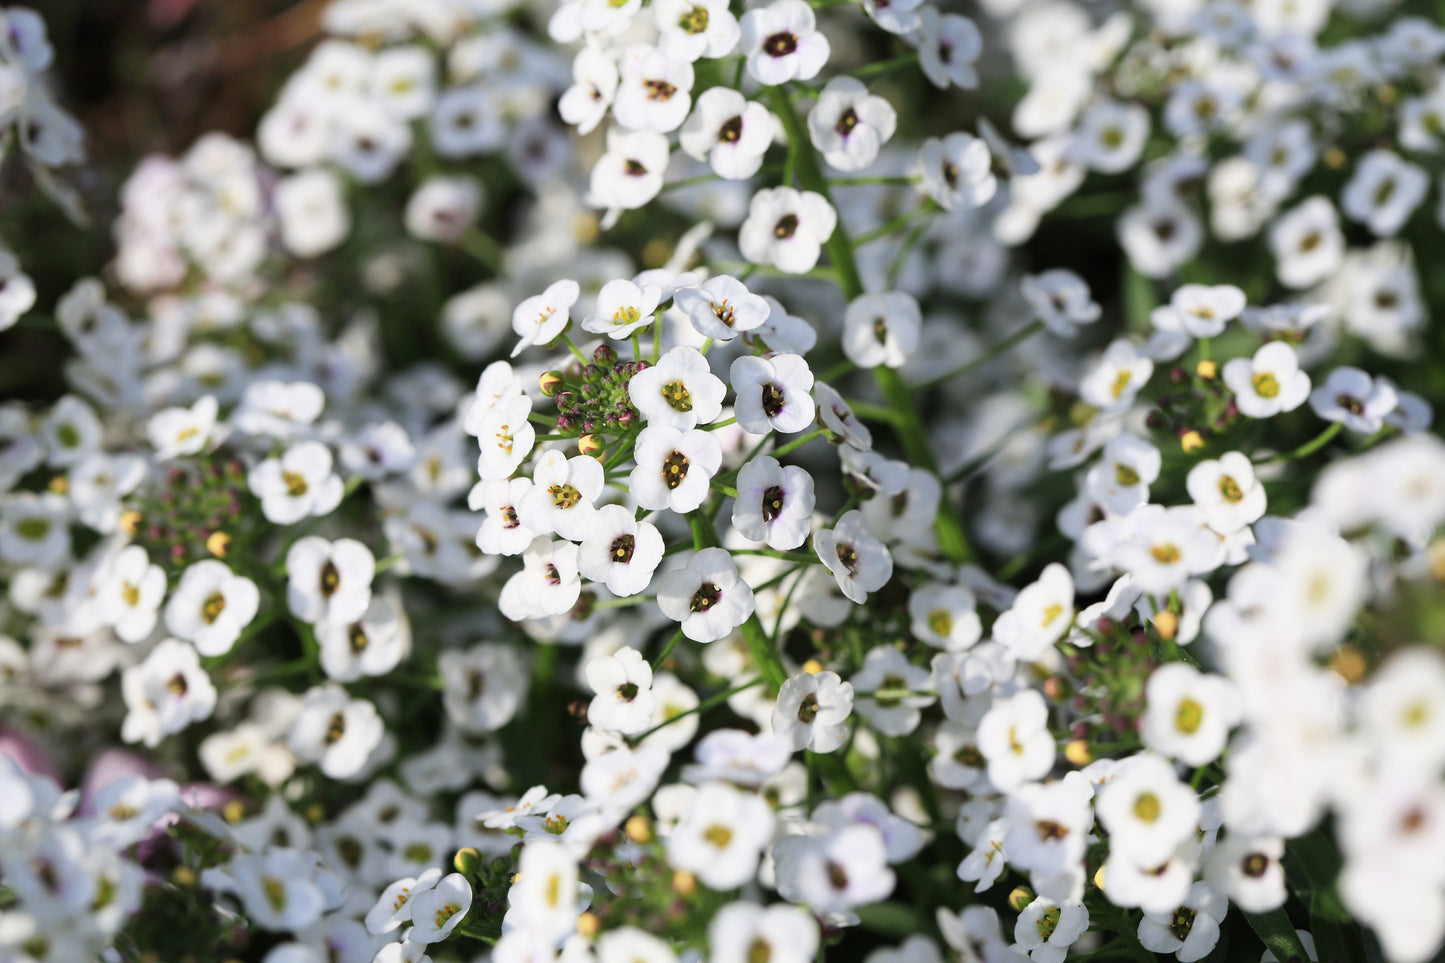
(1207, 370)
(130, 522)
(1019, 898)
(217, 543)
(1166, 623)
(588, 924)
(1348, 664)
(315, 814)
(467, 861)
(604, 355)
(1078, 753)
(1191, 441)
(638, 829)
(589, 445)
(60, 484)
(684, 883)
(233, 812)
(812, 667)
(1436, 554)
(1099, 878)
(183, 876)
(1335, 158)
(1054, 687)
(550, 383)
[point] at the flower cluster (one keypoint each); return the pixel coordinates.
(774, 523)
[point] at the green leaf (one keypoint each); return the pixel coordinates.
(1277, 933)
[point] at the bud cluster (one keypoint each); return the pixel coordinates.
(193, 512)
(594, 397)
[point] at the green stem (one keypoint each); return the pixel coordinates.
(1019, 336)
(909, 426)
(886, 66)
(1308, 448)
(701, 707)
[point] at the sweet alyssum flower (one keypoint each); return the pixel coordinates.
(329, 581)
(1188, 714)
(949, 45)
(1147, 810)
(620, 551)
(370, 646)
(835, 873)
(542, 317)
(594, 83)
(623, 686)
(944, 616)
(654, 91)
(721, 308)
(722, 836)
(1047, 928)
(629, 174)
(742, 931)
(1307, 243)
(298, 484)
(674, 468)
(859, 562)
(165, 693)
(335, 731)
(1384, 192)
(1114, 383)
(782, 42)
(440, 910)
(175, 432)
(1014, 737)
(849, 125)
(728, 131)
(484, 686)
(506, 436)
(1199, 310)
(311, 207)
(622, 309)
(1226, 492)
(812, 709)
(548, 584)
(680, 391)
(882, 329)
(786, 228)
(1040, 615)
(957, 171)
(774, 503)
(692, 29)
(1268, 383)
(772, 393)
(211, 606)
(891, 692)
(1353, 398)
(562, 495)
(1191, 930)
(707, 596)
(1061, 300)
(130, 593)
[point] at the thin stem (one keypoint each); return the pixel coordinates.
(1308, 448)
(701, 707)
(667, 650)
(1018, 337)
(886, 66)
(576, 352)
(893, 226)
(797, 443)
(877, 179)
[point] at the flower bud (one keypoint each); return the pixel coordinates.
(638, 829)
(1207, 370)
(604, 356)
(588, 924)
(684, 883)
(1166, 623)
(550, 383)
(812, 667)
(217, 542)
(1348, 664)
(1191, 441)
(467, 861)
(130, 522)
(1077, 752)
(1020, 897)
(589, 445)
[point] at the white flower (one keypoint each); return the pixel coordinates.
(328, 581)
(1114, 382)
(782, 42)
(628, 944)
(370, 646)
(562, 495)
(17, 291)
(849, 125)
(1307, 244)
(722, 307)
(680, 391)
(1247, 870)
(1199, 310)
(336, 731)
(773, 393)
(34, 529)
(774, 503)
(1188, 714)
(548, 584)
(835, 873)
(622, 309)
(130, 593)
(443, 209)
(728, 131)
(1226, 492)
(707, 596)
(957, 171)
(1384, 192)
(1111, 136)
(654, 92)
(393, 907)
(278, 888)
(692, 29)
(629, 174)
(439, 910)
(1014, 737)
(1061, 299)
(722, 837)
(298, 484)
(71, 432)
(541, 318)
(620, 551)
(888, 691)
(165, 693)
(484, 686)
(948, 47)
(313, 213)
(742, 932)
(1268, 383)
(1191, 931)
(674, 468)
(278, 409)
(174, 432)
(1047, 928)
(1147, 810)
(1040, 615)
(859, 562)
(882, 329)
(811, 711)
(506, 436)
(544, 898)
(211, 606)
(1352, 397)
(944, 616)
(787, 228)
(594, 83)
